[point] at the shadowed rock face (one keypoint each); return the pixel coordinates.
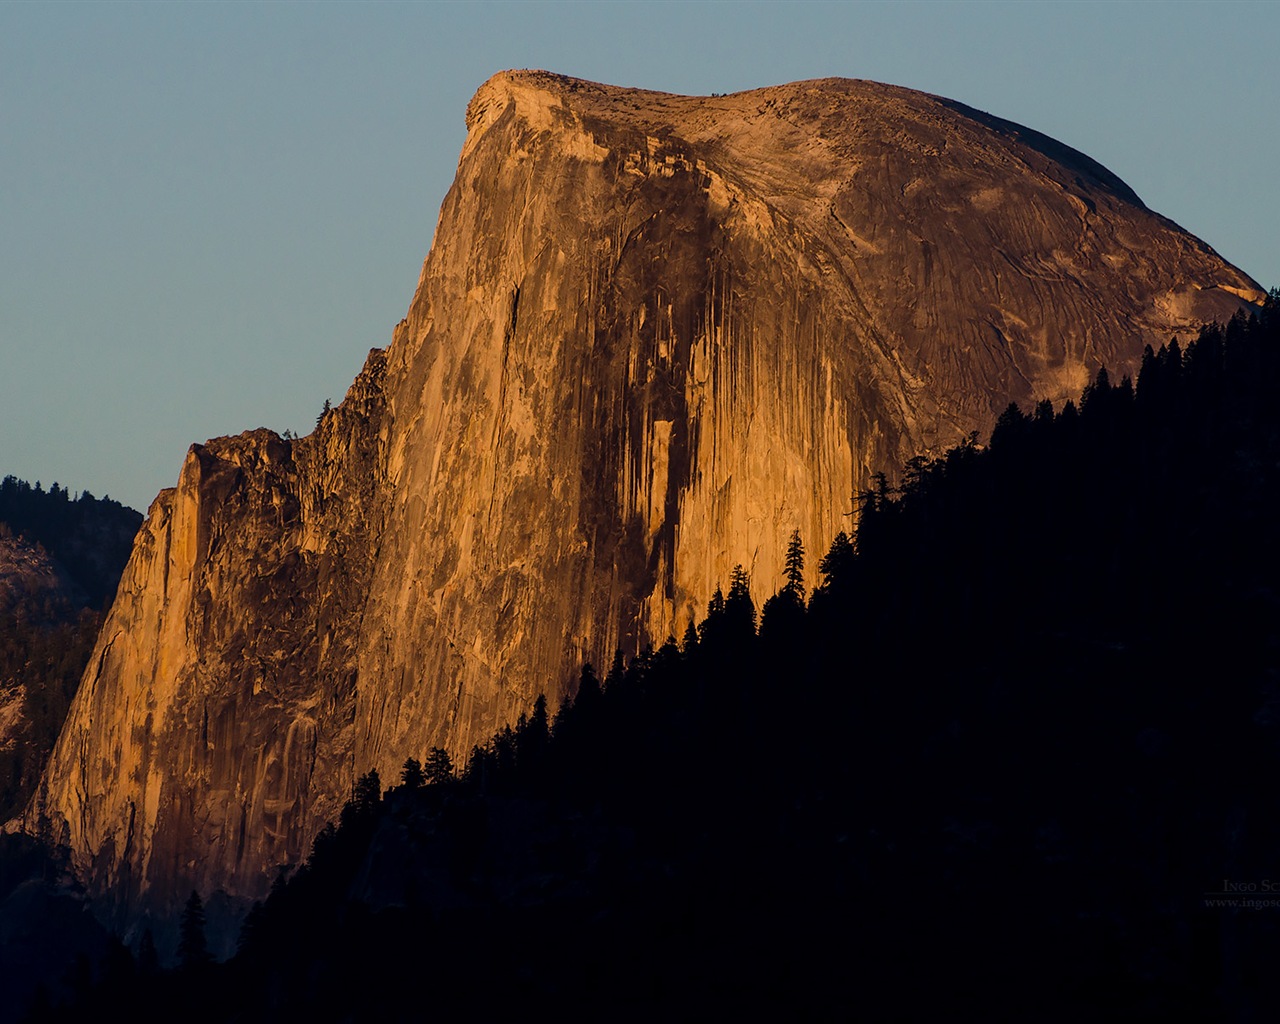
(654, 335)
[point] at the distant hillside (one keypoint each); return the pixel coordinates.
(60, 560)
(90, 538)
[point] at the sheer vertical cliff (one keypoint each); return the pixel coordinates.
(654, 335)
(215, 717)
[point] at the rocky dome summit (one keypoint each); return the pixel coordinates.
(655, 334)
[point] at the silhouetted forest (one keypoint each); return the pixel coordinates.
(90, 537)
(46, 658)
(994, 766)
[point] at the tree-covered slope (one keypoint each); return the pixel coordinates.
(91, 538)
(1000, 764)
(60, 560)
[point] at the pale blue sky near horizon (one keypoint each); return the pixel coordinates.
(209, 213)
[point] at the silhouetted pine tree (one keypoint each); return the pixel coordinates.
(794, 570)
(739, 609)
(411, 776)
(193, 949)
(439, 767)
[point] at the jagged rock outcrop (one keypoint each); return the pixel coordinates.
(654, 335)
(216, 712)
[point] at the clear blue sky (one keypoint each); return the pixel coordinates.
(210, 212)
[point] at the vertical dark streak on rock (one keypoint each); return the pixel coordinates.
(128, 839)
(515, 311)
(241, 832)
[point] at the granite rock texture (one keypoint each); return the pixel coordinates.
(654, 335)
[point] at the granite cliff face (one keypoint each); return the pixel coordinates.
(654, 335)
(215, 716)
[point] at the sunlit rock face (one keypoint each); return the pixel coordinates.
(215, 717)
(654, 335)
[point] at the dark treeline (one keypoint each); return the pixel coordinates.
(47, 634)
(46, 657)
(49, 622)
(990, 768)
(89, 537)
